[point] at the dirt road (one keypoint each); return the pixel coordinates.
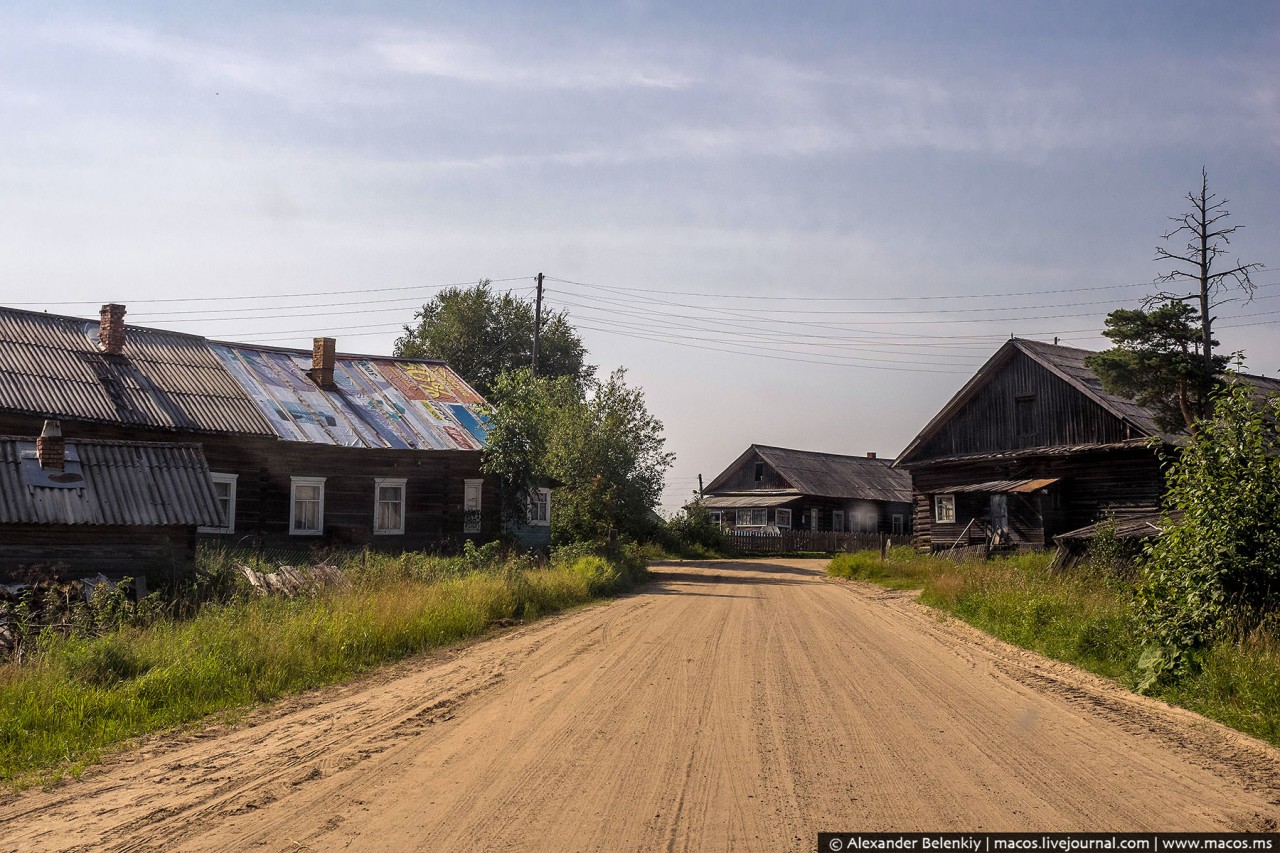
(741, 706)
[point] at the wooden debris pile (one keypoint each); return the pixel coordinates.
(289, 581)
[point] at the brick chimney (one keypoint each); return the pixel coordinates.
(871, 454)
(51, 447)
(322, 358)
(111, 329)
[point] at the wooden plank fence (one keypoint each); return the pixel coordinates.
(826, 541)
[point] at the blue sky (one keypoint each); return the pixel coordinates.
(767, 183)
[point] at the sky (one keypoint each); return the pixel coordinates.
(802, 224)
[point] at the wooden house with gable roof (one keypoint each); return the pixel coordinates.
(777, 487)
(1031, 447)
(302, 447)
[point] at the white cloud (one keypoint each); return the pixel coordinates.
(474, 63)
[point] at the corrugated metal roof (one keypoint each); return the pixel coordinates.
(1068, 364)
(122, 483)
(829, 475)
(377, 402)
(739, 501)
(52, 366)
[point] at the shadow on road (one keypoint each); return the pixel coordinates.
(676, 578)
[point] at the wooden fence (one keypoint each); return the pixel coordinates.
(827, 541)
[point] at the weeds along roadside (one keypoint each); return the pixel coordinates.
(1085, 617)
(81, 692)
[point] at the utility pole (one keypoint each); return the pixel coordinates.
(699, 485)
(537, 325)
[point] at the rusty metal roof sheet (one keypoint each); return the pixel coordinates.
(376, 402)
(52, 366)
(140, 484)
(1007, 486)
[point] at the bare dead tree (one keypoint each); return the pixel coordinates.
(1207, 239)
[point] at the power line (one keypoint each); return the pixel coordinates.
(288, 295)
(869, 298)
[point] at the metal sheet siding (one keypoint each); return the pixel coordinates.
(134, 484)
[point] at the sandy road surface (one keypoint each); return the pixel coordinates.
(738, 706)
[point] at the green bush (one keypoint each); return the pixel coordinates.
(1218, 564)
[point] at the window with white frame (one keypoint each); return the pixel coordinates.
(944, 509)
(388, 500)
(472, 495)
(784, 517)
(751, 518)
(837, 520)
(540, 507)
(717, 519)
(224, 488)
(306, 506)
(815, 516)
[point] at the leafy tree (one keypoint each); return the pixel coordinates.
(599, 441)
(1164, 355)
(1157, 362)
(523, 415)
(482, 334)
(608, 452)
(1218, 562)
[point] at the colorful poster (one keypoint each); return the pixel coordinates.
(423, 376)
(399, 381)
(270, 407)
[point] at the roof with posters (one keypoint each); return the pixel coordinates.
(377, 402)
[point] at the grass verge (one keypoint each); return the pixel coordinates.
(1083, 617)
(78, 696)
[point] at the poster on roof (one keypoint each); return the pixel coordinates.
(384, 402)
(236, 364)
(377, 417)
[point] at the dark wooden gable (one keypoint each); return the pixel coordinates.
(741, 475)
(1020, 405)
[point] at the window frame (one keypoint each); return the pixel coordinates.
(294, 483)
(230, 480)
(1024, 416)
(837, 514)
(898, 521)
(939, 501)
(759, 472)
(389, 482)
(539, 496)
(764, 517)
(473, 524)
(777, 515)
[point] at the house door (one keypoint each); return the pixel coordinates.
(1000, 516)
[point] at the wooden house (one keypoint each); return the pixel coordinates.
(84, 507)
(1031, 447)
(775, 487)
(303, 447)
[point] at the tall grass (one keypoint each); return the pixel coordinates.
(1085, 617)
(79, 695)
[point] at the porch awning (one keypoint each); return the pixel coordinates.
(747, 501)
(1007, 486)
